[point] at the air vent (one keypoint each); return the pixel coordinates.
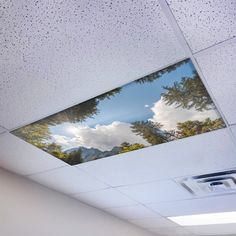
(211, 184)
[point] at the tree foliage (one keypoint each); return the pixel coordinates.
(71, 158)
(36, 134)
(189, 93)
(73, 114)
(151, 132)
(156, 75)
(190, 128)
(74, 158)
(55, 150)
(127, 147)
(80, 112)
(39, 134)
(109, 95)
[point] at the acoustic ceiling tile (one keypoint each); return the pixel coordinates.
(218, 65)
(107, 198)
(196, 206)
(158, 222)
(233, 128)
(205, 23)
(23, 158)
(203, 153)
(2, 130)
(178, 231)
(132, 212)
(50, 59)
(68, 180)
(161, 191)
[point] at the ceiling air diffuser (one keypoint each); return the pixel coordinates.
(213, 184)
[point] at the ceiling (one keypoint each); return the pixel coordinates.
(57, 54)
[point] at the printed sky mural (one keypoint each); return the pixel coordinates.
(167, 105)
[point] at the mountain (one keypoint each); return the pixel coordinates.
(89, 154)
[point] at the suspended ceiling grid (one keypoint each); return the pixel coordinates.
(57, 54)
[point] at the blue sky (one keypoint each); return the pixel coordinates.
(129, 104)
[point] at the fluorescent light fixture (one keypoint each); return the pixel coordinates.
(205, 219)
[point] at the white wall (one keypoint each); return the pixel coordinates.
(29, 209)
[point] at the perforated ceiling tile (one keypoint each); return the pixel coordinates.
(68, 180)
(23, 158)
(203, 153)
(205, 23)
(196, 206)
(107, 198)
(218, 65)
(53, 53)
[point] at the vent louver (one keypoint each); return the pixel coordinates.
(211, 184)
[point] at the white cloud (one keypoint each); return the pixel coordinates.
(169, 116)
(103, 137)
(61, 140)
(146, 105)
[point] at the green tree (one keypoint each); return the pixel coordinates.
(109, 95)
(189, 93)
(190, 128)
(151, 132)
(126, 147)
(71, 158)
(156, 75)
(73, 114)
(74, 158)
(55, 150)
(36, 134)
(80, 112)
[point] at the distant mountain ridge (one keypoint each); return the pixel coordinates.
(89, 154)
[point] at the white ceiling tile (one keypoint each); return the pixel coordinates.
(22, 158)
(158, 222)
(196, 206)
(205, 23)
(233, 128)
(178, 231)
(224, 229)
(200, 154)
(2, 130)
(50, 60)
(107, 198)
(218, 65)
(68, 180)
(132, 212)
(161, 191)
